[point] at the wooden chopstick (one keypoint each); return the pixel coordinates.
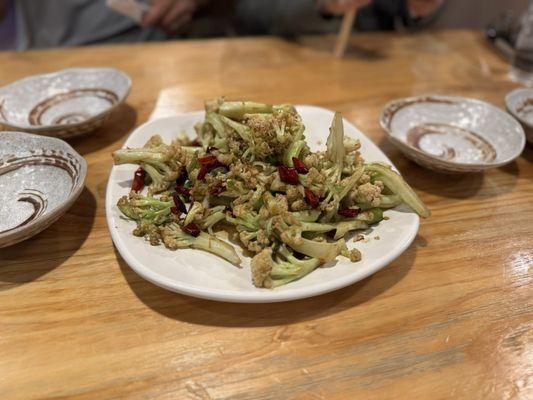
(344, 34)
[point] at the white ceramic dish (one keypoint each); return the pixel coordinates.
(519, 102)
(453, 134)
(64, 103)
(40, 178)
(201, 274)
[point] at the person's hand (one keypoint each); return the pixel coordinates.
(340, 6)
(422, 8)
(170, 15)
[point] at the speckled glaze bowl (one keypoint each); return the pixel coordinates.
(519, 102)
(63, 104)
(40, 178)
(453, 134)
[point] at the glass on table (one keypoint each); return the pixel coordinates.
(522, 67)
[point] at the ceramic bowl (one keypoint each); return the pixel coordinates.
(40, 178)
(519, 102)
(453, 134)
(63, 104)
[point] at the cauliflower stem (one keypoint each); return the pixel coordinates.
(174, 238)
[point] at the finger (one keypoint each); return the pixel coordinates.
(424, 7)
(156, 12)
(178, 24)
(174, 14)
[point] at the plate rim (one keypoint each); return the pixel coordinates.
(73, 125)
(268, 295)
(478, 166)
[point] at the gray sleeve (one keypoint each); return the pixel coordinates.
(51, 23)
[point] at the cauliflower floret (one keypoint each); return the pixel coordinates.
(313, 160)
(276, 205)
(150, 232)
(351, 145)
(369, 194)
(293, 194)
(261, 268)
(292, 236)
(295, 197)
(248, 240)
(299, 205)
(314, 176)
(271, 133)
(365, 178)
(354, 255)
(262, 238)
(154, 141)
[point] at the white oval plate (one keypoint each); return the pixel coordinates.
(200, 274)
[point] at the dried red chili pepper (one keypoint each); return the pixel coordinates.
(192, 229)
(207, 164)
(209, 161)
(288, 174)
(311, 198)
(138, 179)
(300, 166)
(182, 178)
(217, 189)
(183, 190)
(179, 204)
(348, 212)
(202, 173)
(175, 210)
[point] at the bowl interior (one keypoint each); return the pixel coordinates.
(63, 98)
(455, 130)
(38, 175)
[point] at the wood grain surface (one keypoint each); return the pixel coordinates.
(450, 318)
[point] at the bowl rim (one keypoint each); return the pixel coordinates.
(384, 118)
(512, 110)
(56, 127)
(49, 218)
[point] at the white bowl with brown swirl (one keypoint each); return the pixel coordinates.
(40, 178)
(453, 134)
(63, 104)
(519, 102)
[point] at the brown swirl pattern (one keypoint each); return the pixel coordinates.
(416, 133)
(37, 112)
(393, 109)
(35, 197)
(526, 107)
(2, 114)
(70, 118)
(39, 202)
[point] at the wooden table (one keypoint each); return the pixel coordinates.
(450, 318)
